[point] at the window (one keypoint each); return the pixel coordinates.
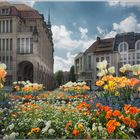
(80, 63)
(129, 56)
(138, 55)
(133, 55)
(18, 45)
(11, 58)
(6, 58)
(137, 46)
(3, 26)
(11, 44)
(3, 42)
(31, 28)
(0, 26)
(24, 45)
(89, 60)
(107, 59)
(3, 58)
(123, 47)
(28, 45)
(97, 59)
(102, 58)
(5, 11)
(31, 45)
(0, 44)
(7, 27)
(10, 25)
(7, 44)
(125, 57)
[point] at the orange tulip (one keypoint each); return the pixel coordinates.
(126, 107)
(108, 114)
(100, 83)
(134, 82)
(126, 120)
(98, 105)
(133, 110)
(117, 113)
(75, 132)
(111, 129)
(68, 125)
(110, 123)
(133, 124)
(98, 113)
(36, 130)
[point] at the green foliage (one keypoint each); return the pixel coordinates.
(59, 77)
(72, 74)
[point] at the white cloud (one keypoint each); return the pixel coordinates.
(113, 3)
(110, 34)
(64, 63)
(129, 24)
(124, 3)
(28, 2)
(101, 30)
(83, 32)
(62, 38)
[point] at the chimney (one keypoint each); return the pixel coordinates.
(98, 39)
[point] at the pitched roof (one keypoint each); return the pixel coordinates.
(27, 11)
(101, 45)
(4, 3)
(23, 7)
(22, 10)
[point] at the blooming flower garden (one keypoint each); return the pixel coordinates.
(72, 111)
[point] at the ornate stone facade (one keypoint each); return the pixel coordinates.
(26, 45)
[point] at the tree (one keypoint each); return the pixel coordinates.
(72, 74)
(59, 77)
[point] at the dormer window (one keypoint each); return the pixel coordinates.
(5, 11)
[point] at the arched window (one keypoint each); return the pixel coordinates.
(123, 50)
(137, 45)
(123, 47)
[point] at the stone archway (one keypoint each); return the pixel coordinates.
(25, 71)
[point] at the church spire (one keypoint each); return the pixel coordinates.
(49, 19)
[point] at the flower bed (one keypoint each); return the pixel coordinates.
(70, 112)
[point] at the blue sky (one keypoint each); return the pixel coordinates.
(76, 25)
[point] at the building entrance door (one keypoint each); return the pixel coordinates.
(25, 71)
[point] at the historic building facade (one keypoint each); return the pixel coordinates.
(123, 49)
(26, 44)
